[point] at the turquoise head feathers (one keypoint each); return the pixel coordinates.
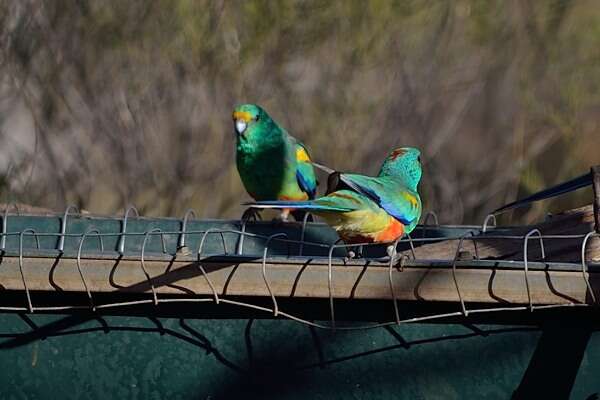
(404, 163)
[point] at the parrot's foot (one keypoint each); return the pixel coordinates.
(391, 251)
(354, 253)
(282, 218)
(251, 214)
(392, 255)
(351, 255)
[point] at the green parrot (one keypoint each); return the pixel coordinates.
(365, 209)
(272, 164)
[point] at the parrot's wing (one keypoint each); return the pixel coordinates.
(398, 201)
(305, 174)
(341, 201)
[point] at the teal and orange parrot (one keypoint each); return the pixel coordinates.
(273, 164)
(364, 209)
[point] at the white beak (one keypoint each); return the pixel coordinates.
(240, 126)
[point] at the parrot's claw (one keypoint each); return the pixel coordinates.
(351, 254)
(391, 251)
(354, 254)
(392, 255)
(282, 218)
(251, 214)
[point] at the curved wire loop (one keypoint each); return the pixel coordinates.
(242, 232)
(264, 270)
(431, 214)
(330, 284)
(584, 270)
(392, 290)
(412, 246)
(4, 229)
(5, 225)
(240, 245)
(303, 232)
(486, 222)
(143, 263)
(85, 285)
(63, 227)
(526, 266)
(186, 216)
(121, 247)
(27, 294)
(464, 310)
(201, 268)
(425, 224)
(209, 231)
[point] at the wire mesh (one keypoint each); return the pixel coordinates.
(394, 264)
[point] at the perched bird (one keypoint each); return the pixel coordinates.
(273, 164)
(364, 209)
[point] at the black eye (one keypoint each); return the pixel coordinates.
(257, 117)
(419, 159)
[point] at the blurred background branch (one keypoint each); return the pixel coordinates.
(108, 103)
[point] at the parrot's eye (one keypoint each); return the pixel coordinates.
(257, 117)
(419, 159)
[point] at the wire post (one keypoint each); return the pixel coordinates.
(595, 171)
(201, 268)
(143, 264)
(525, 242)
(188, 213)
(240, 246)
(330, 285)
(430, 214)
(85, 285)
(486, 222)
(63, 227)
(121, 247)
(4, 226)
(392, 290)
(302, 234)
(584, 270)
(264, 270)
(27, 294)
(456, 255)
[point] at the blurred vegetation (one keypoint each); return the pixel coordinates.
(113, 102)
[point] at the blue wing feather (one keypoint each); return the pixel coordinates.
(387, 194)
(305, 173)
(306, 184)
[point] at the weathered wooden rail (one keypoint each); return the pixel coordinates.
(169, 260)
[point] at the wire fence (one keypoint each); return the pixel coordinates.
(394, 262)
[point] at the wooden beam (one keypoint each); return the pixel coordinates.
(299, 280)
(579, 221)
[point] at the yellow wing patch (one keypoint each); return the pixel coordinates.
(301, 154)
(344, 196)
(411, 199)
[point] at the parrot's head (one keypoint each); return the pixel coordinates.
(405, 164)
(246, 117)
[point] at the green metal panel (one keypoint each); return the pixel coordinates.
(47, 228)
(127, 357)
(529, 355)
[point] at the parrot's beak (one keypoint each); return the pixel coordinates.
(240, 126)
(241, 119)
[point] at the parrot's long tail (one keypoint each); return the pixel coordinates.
(323, 168)
(309, 205)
